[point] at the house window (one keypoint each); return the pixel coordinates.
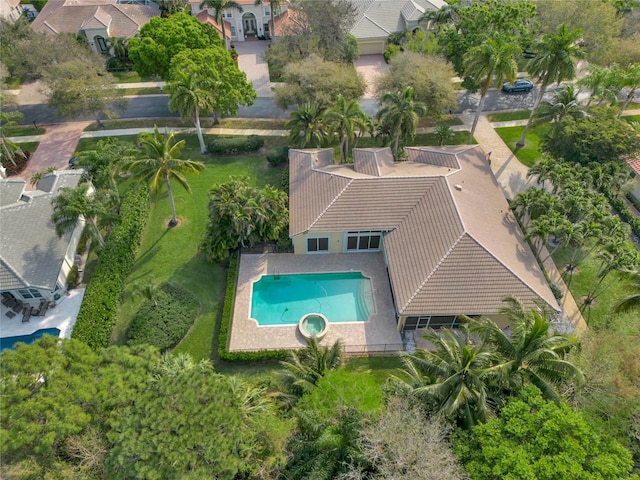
(433, 321)
(29, 293)
(227, 14)
(267, 12)
(357, 241)
(318, 245)
(102, 44)
(233, 31)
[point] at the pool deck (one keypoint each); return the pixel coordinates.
(377, 335)
(62, 316)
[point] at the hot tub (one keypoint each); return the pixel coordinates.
(313, 325)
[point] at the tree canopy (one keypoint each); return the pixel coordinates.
(533, 438)
(162, 38)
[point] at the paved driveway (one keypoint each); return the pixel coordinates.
(371, 67)
(250, 61)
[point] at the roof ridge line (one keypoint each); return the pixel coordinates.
(375, 23)
(330, 204)
(444, 257)
(10, 268)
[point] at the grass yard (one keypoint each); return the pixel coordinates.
(450, 120)
(129, 77)
(530, 154)
(22, 131)
(272, 124)
(143, 91)
(509, 116)
(631, 118)
(172, 254)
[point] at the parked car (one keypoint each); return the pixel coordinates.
(517, 86)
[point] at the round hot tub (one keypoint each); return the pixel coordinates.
(313, 325)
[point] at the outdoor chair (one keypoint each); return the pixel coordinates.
(17, 307)
(27, 314)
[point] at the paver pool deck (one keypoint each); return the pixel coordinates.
(378, 334)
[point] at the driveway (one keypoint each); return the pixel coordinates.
(371, 67)
(250, 61)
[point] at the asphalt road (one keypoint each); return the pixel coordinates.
(155, 106)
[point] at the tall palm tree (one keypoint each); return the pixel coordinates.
(218, 7)
(529, 353)
(345, 118)
(8, 149)
(630, 302)
(273, 5)
(490, 64)
(400, 115)
(630, 79)
(192, 95)
(456, 375)
(101, 164)
(554, 62)
(563, 104)
(160, 163)
(307, 127)
(73, 203)
(119, 46)
(598, 81)
(302, 371)
(447, 15)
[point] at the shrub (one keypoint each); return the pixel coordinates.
(116, 64)
(557, 292)
(227, 319)
(391, 50)
(72, 278)
(235, 145)
(99, 307)
(278, 155)
(284, 180)
(82, 243)
(165, 319)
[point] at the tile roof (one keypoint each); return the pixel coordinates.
(31, 253)
(635, 166)
(73, 16)
(205, 17)
(451, 242)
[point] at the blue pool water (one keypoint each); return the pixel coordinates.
(284, 299)
(9, 342)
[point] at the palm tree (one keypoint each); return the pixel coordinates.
(598, 81)
(630, 79)
(119, 46)
(160, 162)
(192, 95)
(101, 164)
(400, 115)
(345, 118)
(302, 371)
(490, 64)
(447, 15)
(444, 134)
(73, 203)
(563, 104)
(555, 62)
(273, 5)
(36, 177)
(307, 127)
(218, 7)
(456, 375)
(9, 149)
(630, 302)
(529, 353)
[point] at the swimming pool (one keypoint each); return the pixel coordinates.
(9, 342)
(284, 299)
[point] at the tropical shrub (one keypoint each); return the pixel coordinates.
(391, 51)
(235, 145)
(278, 155)
(162, 321)
(72, 278)
(99, 308)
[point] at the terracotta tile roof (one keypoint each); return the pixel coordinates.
(73, 16)
(205, 17)
(635, 166)
(452, 244)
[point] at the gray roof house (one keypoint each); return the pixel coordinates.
(97, 20)
(450, 242)
(34, 261)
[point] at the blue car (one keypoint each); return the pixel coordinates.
(518, 86)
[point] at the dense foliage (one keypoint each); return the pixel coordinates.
(533, 438)
(163, 320)
(277, 155)
(99, 307)
(235, 145)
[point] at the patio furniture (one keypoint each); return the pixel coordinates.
(5, 301)
(10, 314)
(27, 314)
(17, 307)
(42, 308)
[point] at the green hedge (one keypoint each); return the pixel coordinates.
(234, 145)
(227, 319)
(623, 210)
(165, 319)
(278, 155)
(99, 308)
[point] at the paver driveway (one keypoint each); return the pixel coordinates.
(250, 61)
(371, 67)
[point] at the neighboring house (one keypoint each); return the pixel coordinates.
(96, 20)
(375, 20)
(635, 166)
(10, 10)
(451, 244)
(34, 262)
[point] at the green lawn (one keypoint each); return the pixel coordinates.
(631, 118)
(450, 120)
(272, 124)
(22, 131)
(129, 77)
(143, 91)
(509, 116)
(530, 154)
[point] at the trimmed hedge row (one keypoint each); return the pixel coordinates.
(227, 319)
(277, 155)
(99, 308)
(234, 145)
(166, 319)
(623, 210)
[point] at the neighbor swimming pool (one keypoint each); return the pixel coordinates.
(284, 299)
(9, 342)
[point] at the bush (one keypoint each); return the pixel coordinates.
(278, 155)
(72, 278)
(391, 51)
(117, 64)
(235, 145)
(557, 292)
(227, 319)
(284, 179)
(99, 307)
(165, 319)
(82, 243)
